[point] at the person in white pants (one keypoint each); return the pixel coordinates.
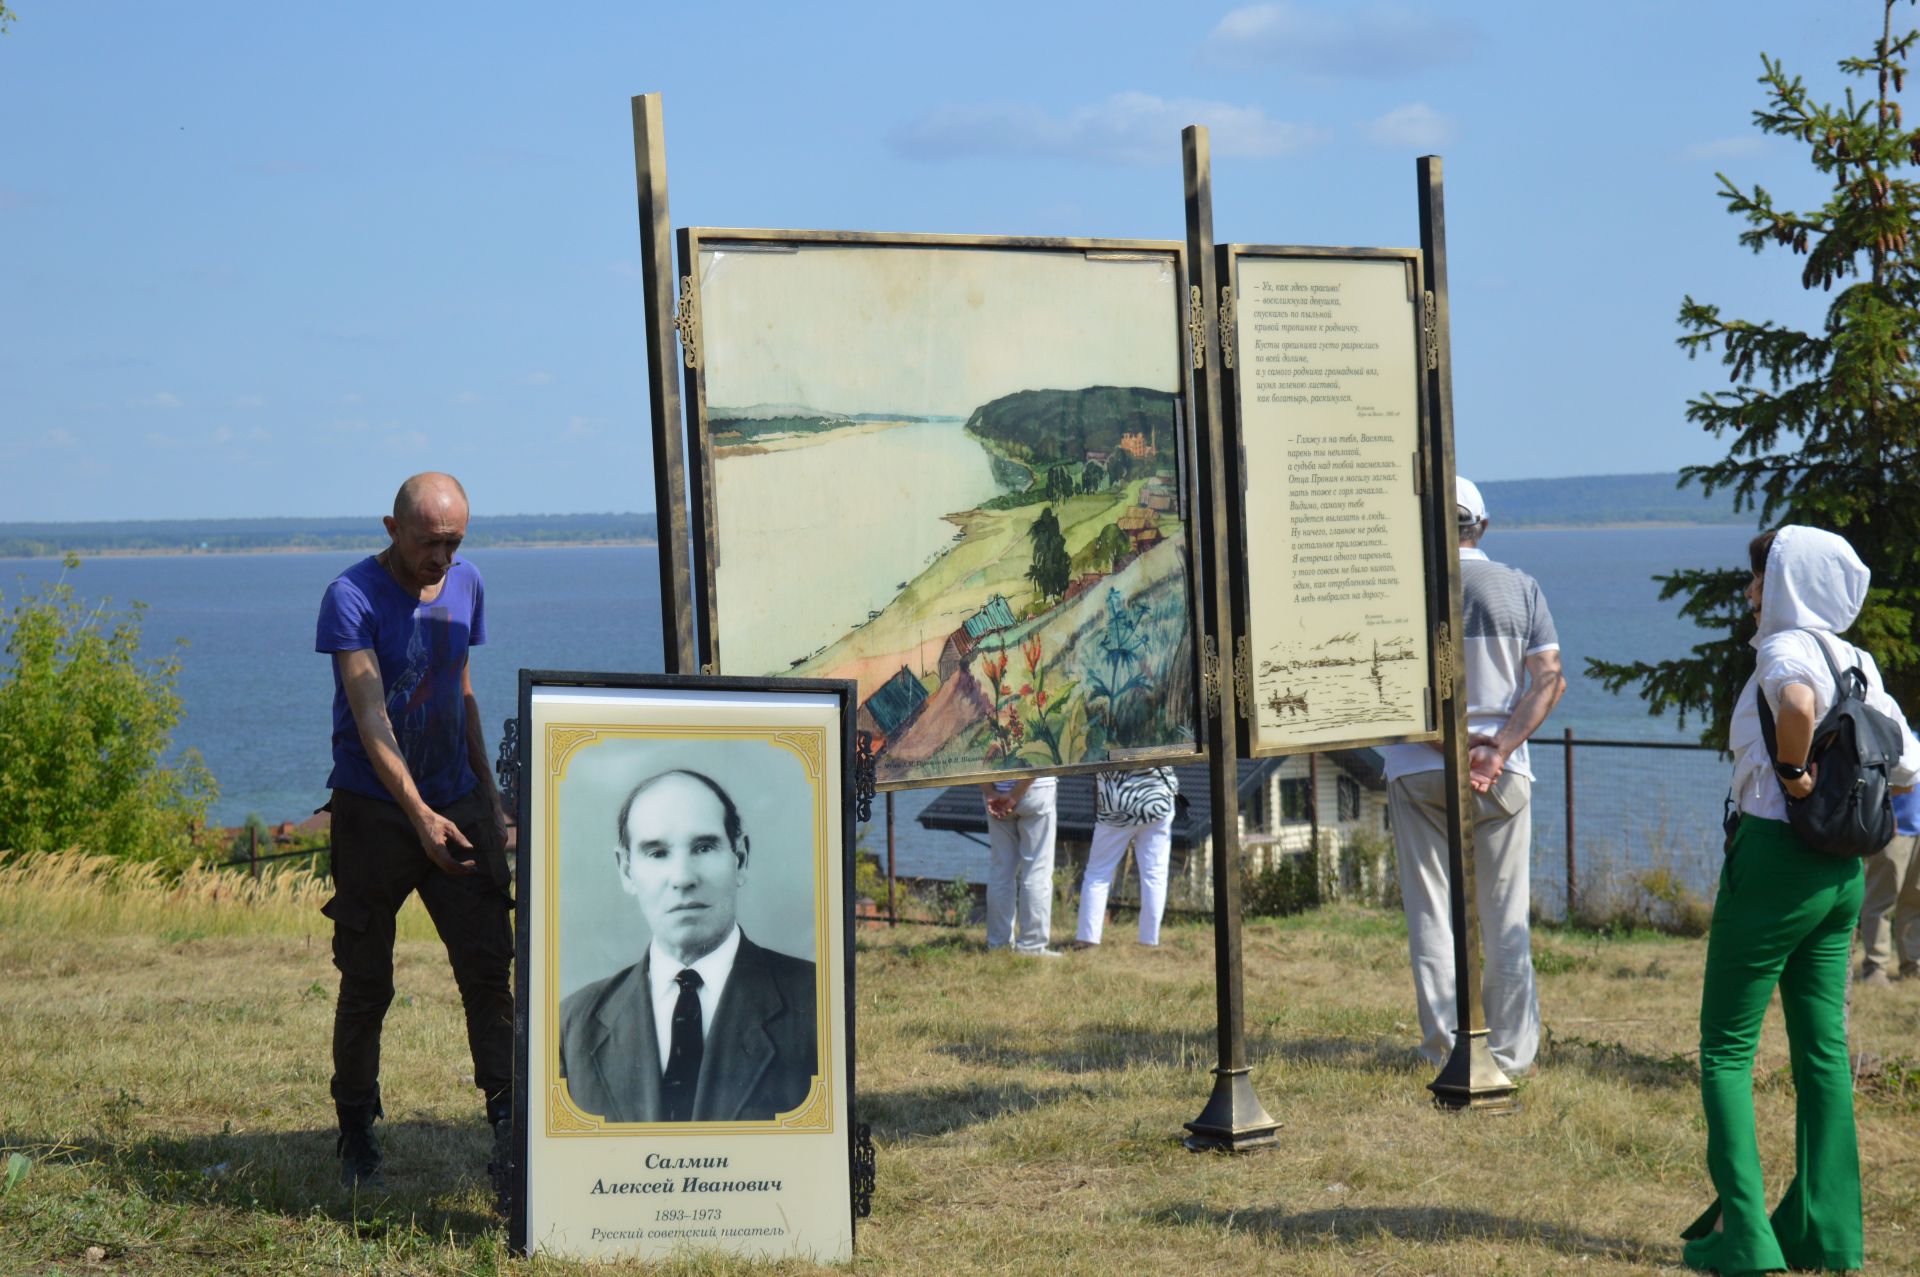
(1020, 833)
(1131, 808)
(1512, 656)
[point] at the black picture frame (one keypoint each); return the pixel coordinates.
(531, 863)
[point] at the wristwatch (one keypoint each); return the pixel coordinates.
(1787, 771)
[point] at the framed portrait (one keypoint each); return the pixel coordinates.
(1326, 414)
(957, 471)
(684, 996)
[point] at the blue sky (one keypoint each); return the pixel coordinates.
(263, 260)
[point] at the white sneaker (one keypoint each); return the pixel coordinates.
(1048, 952)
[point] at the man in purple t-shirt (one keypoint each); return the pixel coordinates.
(414, 804)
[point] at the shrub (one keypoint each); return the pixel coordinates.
(86, 724)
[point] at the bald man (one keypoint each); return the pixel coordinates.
(414, 805)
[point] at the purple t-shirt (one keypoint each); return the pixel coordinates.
(422, 651)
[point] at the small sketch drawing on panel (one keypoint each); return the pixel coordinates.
(1342, 681)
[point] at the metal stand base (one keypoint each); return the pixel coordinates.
(1234, 1120)
(1471, 1081)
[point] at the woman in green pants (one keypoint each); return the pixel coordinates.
(1785, 917)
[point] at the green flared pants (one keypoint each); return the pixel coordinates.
(1785, 917)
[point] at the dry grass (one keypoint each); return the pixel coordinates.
(165, 1066)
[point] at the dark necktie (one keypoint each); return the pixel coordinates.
(684, 1051)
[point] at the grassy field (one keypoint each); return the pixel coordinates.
(163, 1063)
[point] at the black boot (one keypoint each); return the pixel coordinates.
(358, 1149)
(500, 1164)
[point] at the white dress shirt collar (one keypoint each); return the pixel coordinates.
(662, 967)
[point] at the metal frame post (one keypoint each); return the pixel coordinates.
(893, 912)
(1470, 1079)
(1233, 1120)
(1571, 910)
(671, 527)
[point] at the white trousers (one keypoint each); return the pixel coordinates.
(1152, 844)
(1502, 837)
(1020, 874)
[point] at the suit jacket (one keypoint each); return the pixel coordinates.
(760, 1057)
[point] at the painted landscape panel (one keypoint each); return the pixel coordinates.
(956, 476)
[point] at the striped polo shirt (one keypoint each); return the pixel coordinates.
(1503, 621)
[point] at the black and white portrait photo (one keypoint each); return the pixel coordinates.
(707, 1024)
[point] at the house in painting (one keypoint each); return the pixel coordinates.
(892, 707)
(1142, 528)
(996, 616)
(1157, 494)
(1136, 443)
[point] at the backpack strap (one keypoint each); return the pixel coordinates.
(1839, 692)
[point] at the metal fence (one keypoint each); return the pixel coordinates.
(1619, 822)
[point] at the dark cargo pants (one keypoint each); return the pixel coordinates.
(377, 861)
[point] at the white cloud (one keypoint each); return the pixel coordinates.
(346, 426)
(259, 434)
(1127, 128)
(580, 428)
(351, 398)
(537, 379)
(1740, 146)
(249, 401)
(1376, 42)
(1416, 126)
(223, 434)
(157, 440)
(467, 399)
(408, 441)
(158, 399)
(59, 437)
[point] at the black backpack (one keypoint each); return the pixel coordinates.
(1850, 811)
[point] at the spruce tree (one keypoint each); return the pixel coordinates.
(1052, 568)
(1823, 425)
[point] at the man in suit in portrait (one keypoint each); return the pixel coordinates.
(707, 1026)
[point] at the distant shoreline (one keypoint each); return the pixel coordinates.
(189, 552)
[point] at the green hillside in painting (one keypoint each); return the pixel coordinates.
(1064, 425)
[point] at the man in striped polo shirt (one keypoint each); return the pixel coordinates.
(1513, 682)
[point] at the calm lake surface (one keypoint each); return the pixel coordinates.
(258, 698)
(865, 534)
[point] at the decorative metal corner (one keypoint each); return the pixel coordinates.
(687, 320)
(1443, 660)
(1210, 675)
(507, 766)
(1243, 678)
(1197, 327)
(1430, 328)
(1227, 322)
(866, 1171)
(866, 771)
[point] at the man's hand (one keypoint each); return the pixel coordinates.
(1000, 806)
(438, 836)
(1484, 767)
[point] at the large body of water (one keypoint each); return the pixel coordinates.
(864, 529)
(258, 698)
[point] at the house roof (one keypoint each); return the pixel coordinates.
(960, 809)
(896, 700)
(996, 615)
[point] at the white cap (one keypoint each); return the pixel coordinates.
(1466, 496)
